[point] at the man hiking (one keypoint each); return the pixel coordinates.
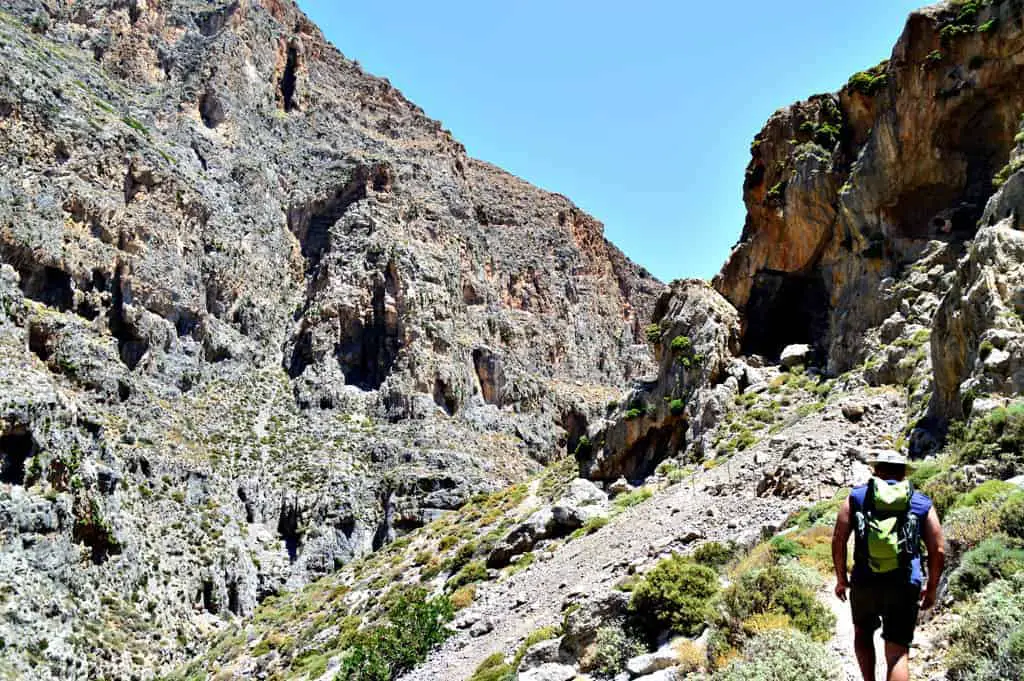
(888, 519)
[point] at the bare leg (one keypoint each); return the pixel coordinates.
(864, 646)
(898, 661)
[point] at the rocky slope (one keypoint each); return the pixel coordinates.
(260, 316)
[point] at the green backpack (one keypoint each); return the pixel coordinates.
(887, 536)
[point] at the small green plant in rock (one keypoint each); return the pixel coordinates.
(494, 668)
(868, 83)
(653, 333)
(681, 344)
(628, 499)
(997, 437)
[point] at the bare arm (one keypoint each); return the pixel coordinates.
(936, 543)
(840, 537)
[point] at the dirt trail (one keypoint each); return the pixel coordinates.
(842, 642)
(925, 637)
(811, 457)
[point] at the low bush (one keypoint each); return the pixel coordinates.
(997, 437)
(1011, 515)
(415, 625)
(985, 494)
(968, 526)
(998, 557)
(988, 641)
(628, 499)
(613, 648)
(494, 668)
(476, 571)
(781, 655)
(715, 554)
(776, 590)
(676, 596)
(944, 489)
(463, 596)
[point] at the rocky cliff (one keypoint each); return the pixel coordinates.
(862, 203)
(261, 316)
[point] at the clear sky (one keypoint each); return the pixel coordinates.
(641, 112)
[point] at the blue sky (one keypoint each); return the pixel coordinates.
(640, 112)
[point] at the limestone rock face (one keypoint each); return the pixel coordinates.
(843, 191)
(260, 316)
(978, 337)
(697, 334)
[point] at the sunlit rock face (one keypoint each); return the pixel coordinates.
(845, 191)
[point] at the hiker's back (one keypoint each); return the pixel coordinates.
(887, 521)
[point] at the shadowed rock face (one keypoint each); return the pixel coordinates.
(275, 303)
(847, 189)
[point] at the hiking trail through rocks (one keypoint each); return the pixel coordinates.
(813, 458)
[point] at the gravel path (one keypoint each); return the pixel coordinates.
(810, 459)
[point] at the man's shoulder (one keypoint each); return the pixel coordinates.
(920, 503)
(858, 493)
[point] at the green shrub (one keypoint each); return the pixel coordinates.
(785, 547)
(868, 83)
(494, 668)
(988, 642)
(633, 414)
(533, 638)
(715, 554)
(985, 494)
(613, 648)
(681, 344)
(475, 571)
(968, 526)
(676, 407)
(821, 513)
(782, 655)
(944, 489)
(774, 590)
(415, 625)
(675, 595)
(998, 557)
(653, 333)
(997, 437)
(637, 496)
(1011, 515)
(591, 526)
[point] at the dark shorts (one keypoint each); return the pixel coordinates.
(892, 605)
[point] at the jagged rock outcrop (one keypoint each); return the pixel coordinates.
(260, 316)
(844, 191)
(978, 338)
(696, 335)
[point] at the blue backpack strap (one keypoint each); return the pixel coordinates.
(860, 512)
